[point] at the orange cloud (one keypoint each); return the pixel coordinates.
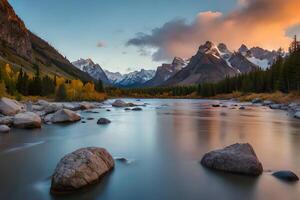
(261, 23)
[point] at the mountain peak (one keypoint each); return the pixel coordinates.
(243, 49)
(209, 48)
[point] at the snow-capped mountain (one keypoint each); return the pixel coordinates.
(165, 71)
(94, 70)
(211, 64)
(259, 56)
(114, 77)
(136, 78)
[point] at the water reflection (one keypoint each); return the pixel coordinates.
(166, 144)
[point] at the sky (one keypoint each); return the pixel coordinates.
(133, 34)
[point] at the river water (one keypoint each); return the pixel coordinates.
(164, 144)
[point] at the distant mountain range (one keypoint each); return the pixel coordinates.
(22, 48)
(211, 63)
(132, 79)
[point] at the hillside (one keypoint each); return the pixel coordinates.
(22, 48)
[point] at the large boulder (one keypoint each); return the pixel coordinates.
(9, 106)
(64, 115)
(81, 168)
(42, 102)
(6, 120)
(72, 106)
(236, 158)
(286, 176)
(4, 129)
(27, 120)
(119, 104)
(52, 108)
(86, 105)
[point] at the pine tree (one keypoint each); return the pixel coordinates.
(99, 86)
(61, 93)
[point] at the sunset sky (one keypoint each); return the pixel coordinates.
(133, 34)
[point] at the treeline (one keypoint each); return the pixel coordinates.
(177, 91)
(19, 83)
(283, 75)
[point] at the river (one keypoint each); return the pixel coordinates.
(164, 144)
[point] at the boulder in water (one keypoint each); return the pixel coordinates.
(64, 115)
(297, 115)
(6, 120)
(103, 121)
(9, 106)
(27, 120)
(136, 109)
(81, 168)
(4, 129)
(286, 176)
(236, 158)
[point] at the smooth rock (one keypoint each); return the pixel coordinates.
(52, 108)
(297, 115)
(136, 109)
(286, 176)
(81, 168)
(267, 102)
(65, 115)
(42, 102)
(103, 121)
(256, 100)
(236, 158)
(6, 120)
(4, 129)
(127, 109)
(27, 120)
(215, 105)
(72, 106)
(119, 103)
(10, 106)
(86, 105)
(275, 106)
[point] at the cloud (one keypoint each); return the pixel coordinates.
(101, 44)
(254, 22)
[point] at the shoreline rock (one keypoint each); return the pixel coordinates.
(27, 120)
(236, 158)
(80, 168)
(4, 129)
(10, 107)
(64, 115)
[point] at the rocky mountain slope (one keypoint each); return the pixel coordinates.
(22, 48)
(165, 71)
(94, 70)
(136, 78)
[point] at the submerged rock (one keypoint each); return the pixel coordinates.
(4, 129)
(64, 115)
(286, 176)
(81, 168)
(215, 105)
(242, 108)
(10, 106)
(136, 109)
(127, 109)
(103, 121)
(27, 120)
(236, 158)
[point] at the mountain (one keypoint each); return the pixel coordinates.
(94, 70)
(114, 77)
(21, 48)
(136, 78)
(259, 56)
(165, 71)
(207, 65)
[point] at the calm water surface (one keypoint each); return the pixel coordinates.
(165, 142)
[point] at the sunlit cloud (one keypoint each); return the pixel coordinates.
(263, 23)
